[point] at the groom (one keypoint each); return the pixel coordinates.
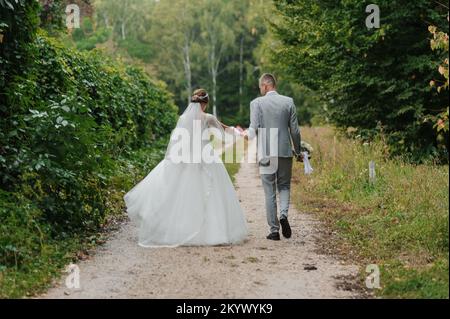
(268, 112)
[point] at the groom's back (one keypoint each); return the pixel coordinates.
(278, 111)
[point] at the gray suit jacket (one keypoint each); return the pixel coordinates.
(276, 111)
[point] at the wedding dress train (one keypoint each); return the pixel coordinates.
(188, 202)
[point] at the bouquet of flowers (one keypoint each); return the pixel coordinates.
(306, 149)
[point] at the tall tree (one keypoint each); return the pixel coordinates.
(217, 34)
(188, 44)
(371, 79)
(175, 41)
(121, 14)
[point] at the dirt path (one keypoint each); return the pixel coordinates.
(257, 269)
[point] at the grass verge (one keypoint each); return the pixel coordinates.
(399, 222)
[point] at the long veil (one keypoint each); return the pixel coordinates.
(183, 137)
(189, 141)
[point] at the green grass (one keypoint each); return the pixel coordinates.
(425, 282)
(399, 222)
(30, 256)
(36, 275)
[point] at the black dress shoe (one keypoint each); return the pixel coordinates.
(274, 236)
(285, 228)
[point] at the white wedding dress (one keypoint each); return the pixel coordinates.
(187, 202)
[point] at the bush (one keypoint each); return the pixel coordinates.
(69, 116)
(371, 80)
(18, 26)
(21, 245)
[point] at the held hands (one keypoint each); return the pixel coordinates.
(238, 131)
(235, 131)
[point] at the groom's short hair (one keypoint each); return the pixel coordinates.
(268, 78)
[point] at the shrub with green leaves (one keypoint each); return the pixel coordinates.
(18, 24)
(68, 117)
(371, 79)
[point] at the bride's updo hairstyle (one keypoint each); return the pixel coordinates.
(200, 96)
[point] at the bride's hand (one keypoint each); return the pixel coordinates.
(235, 131)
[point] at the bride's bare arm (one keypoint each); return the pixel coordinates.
(229, 128)
(214, 122)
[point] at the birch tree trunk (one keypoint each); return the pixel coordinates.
(214, 77)
(123, 31)
(241, 76)
(187, 66)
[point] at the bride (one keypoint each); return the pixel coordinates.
(188, 199)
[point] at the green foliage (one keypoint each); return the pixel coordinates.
(64, 122)
(30, 253)
(370, 79)
(18, 25)
(178, 53)
(20, 246)
(137, 49)
(51, 15)
(429, 282)
(439, 43)
(87, 37)
(29, 257)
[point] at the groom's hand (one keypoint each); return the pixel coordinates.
(300, 157)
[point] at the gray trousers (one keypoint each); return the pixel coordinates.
(280, 180)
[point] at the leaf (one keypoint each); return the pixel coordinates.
(405, 110)
(9, 4)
